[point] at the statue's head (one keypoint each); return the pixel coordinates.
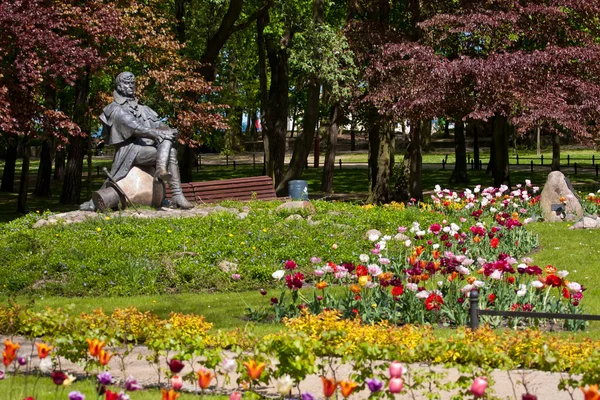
(126, 84)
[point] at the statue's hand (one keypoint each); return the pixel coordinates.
(167, 134)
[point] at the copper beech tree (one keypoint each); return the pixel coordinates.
(53, 50)
(519, 64)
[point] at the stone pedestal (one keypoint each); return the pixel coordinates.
(558, 201)
(141, 187)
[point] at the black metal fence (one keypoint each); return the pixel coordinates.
(475, 313)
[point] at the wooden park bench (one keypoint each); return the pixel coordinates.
(241, 189)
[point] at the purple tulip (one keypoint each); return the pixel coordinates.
(105, 378)
(307, 396)
(528, 396)
(1, 374)
(374, 384)
(76, 396)
(132, 385)
(22, 361)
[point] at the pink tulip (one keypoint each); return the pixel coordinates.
(177, 382)
(396, 385)
(235, 396)
(479, 385)
(395, 370)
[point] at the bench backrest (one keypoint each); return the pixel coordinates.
(241, 189)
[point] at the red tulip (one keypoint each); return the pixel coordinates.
(329, 386)
(479, 385)
(175, 366)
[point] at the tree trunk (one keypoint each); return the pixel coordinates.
(186, 164)
(539, 143)
(555, 152)
(459, 175)
(415, 161)
(333, 129)
(71, 190)
(379, 190)
(501, 172)
(44, 175)
(304, 140)
(268, 166)
(8, 174)
(426, 135)
(277, 105)
(476, 157)
(59, 164)
(446, 129)
(352, 135)
(24, 183)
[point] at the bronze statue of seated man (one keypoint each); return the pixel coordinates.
(139, 139)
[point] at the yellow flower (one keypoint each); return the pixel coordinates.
(57, 235)
(98, 229)
(37, 211)
(169, 231)
(70, 379)
(253, 247)
(231, 235)
(264, 229)
(374, 305)
(363, 280)
(107, 218)
(242, 243)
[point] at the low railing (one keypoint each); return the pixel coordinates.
(475, 313)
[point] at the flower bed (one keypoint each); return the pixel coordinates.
(425, 273)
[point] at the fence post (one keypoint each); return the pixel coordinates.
(446, 160)
(480, 165)
(472, 164)
(593, 159)
(542, 158)
(596, 170)
(253, 161)
(227, 160)
(517, 159)
(199, 161)
(234, 165)
(532, 166)
(568, 159)
(97, 171)
(340, 163)
(474, 308)
(575, 166)
(443, 164)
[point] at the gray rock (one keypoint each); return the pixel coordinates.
(227, 266)
(587, 222)
(553, 210)
(295, 217)
(225, 209)
(243, 215)
(401, 237)
(40, 223)
(297, 205)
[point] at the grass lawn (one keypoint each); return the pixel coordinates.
(18, 388)
(225, 310)
(573, 250)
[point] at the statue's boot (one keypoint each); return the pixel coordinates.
(178, 200)
(163, 151)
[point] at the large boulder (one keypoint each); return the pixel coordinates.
(297, 206)
(558, 201)
(141, 187)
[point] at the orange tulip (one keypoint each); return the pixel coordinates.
(43, 350)
(104, 357)
(170, 395)
(204, 377)
(321, 285)
(347, 387)
(591, 393)
(476, 239)
(10, 352)
(95, 346)
(329, 386)
(254, 369)
(11, 348)
(435, 254)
